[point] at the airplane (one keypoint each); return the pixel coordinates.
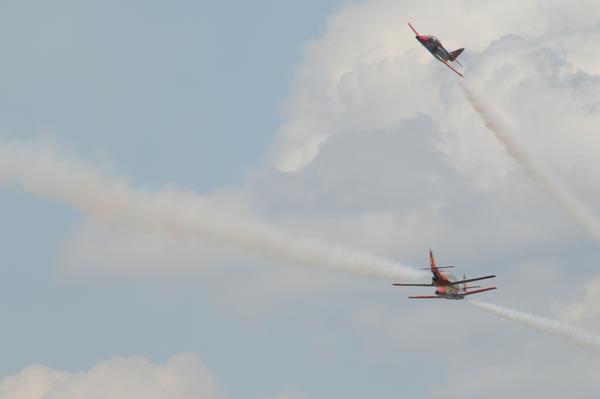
(448, 286)
(434, 46)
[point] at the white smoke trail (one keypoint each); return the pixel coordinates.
(573, 208)
(40, 171)
(547, 326)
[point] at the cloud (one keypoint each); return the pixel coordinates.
(450, 339)
(585, 308)
(376, 130)
(379, 150)
(181, 377)
(366, 77)
(402, 162)
(531, 374)
(368, 60)
(379, 146)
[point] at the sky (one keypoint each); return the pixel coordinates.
(212, 199)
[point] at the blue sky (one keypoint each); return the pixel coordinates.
(147, 85)
(116, 77)
(326, 120)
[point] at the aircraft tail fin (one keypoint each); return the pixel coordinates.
(456, 53)
(432, 261)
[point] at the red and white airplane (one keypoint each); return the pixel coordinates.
(434, 46)
(449, 287)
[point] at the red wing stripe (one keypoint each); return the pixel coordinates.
(448, 65)
(413, 29)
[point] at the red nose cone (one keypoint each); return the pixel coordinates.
(422, 38)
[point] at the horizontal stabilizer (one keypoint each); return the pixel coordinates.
(440, 267)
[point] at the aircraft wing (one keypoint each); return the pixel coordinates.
(412, 285)
(472, 279)
(424, 297)
(478, 291)
(413, 29)
(448, 65)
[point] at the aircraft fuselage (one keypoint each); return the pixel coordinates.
(449, 293)
(440, 279)
(434, 46)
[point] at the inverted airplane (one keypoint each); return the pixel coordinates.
(434, 46)
(448, 286)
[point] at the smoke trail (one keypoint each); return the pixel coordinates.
(547, 326)
(184, 214)
(573, 208)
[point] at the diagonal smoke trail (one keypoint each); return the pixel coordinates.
(40, 171)
(556, 328)
(576, 211)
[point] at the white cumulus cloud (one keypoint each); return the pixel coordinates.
(181, 377)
